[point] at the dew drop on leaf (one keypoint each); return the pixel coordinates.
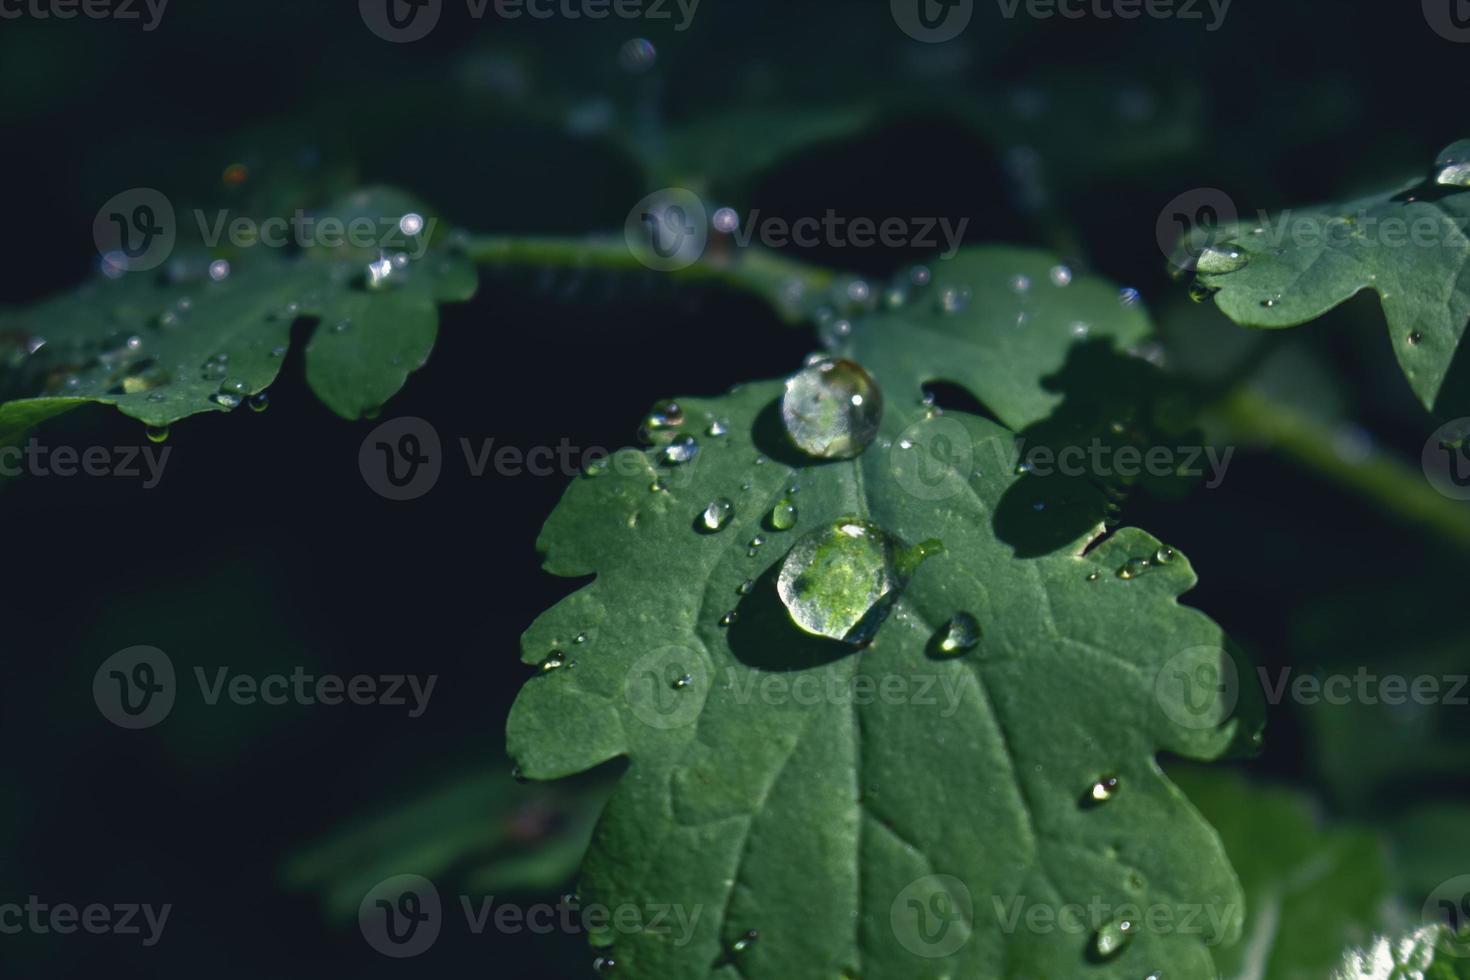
(157, 433)
(784, 514)
(219, 270)
(1452, 166)
(260, 402)
(1133, 568)
(832, 409)
(681, 450)
(746, 941)
(840, 580)
(1103, 790)
(1112, 938)
(554, 661)
(958, 635)
(717, 514)
(664, 415)
(1219, 260)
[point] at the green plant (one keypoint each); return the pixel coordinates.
(851, 835)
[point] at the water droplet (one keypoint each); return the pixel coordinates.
(832, 409)
(1129, 296)
(554, 661)
(746, 587)
(833, 333)
(1270, 302)
(746, 941)
(278, 351)
(1103, 790)
(1416, 338)
(638, 56)
(1220, 260)
(725, 220)
(958, 635)
(717, 514)
(954, 299)
(758, 540)
(858, 291)
(1020, 284)
(1133, 568)
(1093, 576)
(1165, 555)
(682, 682)
(657, 486)
(1080, 329)
(1201, 293)
(411, 224)
(1060, 275)
(681, 450)
(1111, 938)
(157, 433)
(379, 273)
(260, 401)
(920, 275)
(580, 638)
(783, 515)
(604, 965)
(219, 270)
(664, 415)
(729, 618)
(717, 428)
(1452, 166)
(840, 580)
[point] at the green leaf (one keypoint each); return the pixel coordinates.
(1310, 891)
(1408, 245)
(1428, 953)
(161, 347)
(773, 786)
(996, 321)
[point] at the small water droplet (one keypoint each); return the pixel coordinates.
(1452, 166)
(411, 224)
(783, 515)
(604, 965)
(1415, 338)
(260, 401)
(580, 638)
(758, 540)
(960, 634)
(1103, 790)
(1093, 576)
(657, 486)
(746, 587)
(746, 941)
(1133, 568)
(1201, 293)
(954, 299)
(832, 409)
(725, 220)
(717, 428)
(729, 618)
(1165, 555)
(920, 275)
(1220, 260)
(219, 270)
(157, 433)
(1129, 296)
(554, 661)
(664, 415)
(1060, 275)
(379, 273)
(1111, 938)
(681, 450)
(638, 56)
(717, 514)
(682, 682)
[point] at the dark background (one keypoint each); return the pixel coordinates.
(264, 549)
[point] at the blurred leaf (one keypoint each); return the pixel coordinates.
(164, 347)
(1429, 953)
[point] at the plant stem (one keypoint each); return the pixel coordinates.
(1399, 489)
(786, 284)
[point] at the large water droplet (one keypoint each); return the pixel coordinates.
(664, 415)
(832, 409)
(1452, 166)
(958, 635)
(717, 514)
(840, 580)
